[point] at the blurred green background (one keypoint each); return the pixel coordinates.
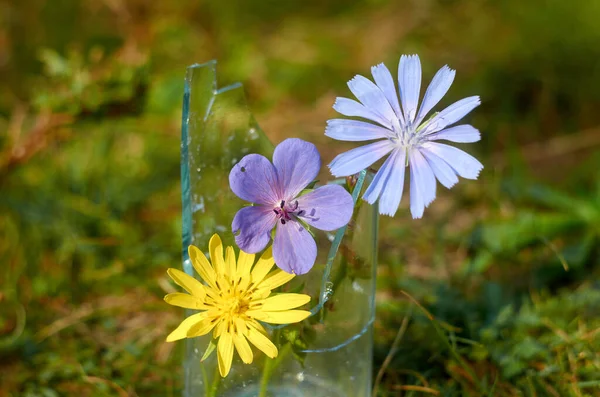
(90, 213)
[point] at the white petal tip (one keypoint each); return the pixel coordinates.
(337, 104)
(334, 171)
(477, 171)
(388, 213)
(369, 199)
(417, 213)
(473, 177)
(353, 80)
(378, 66)
(416, 216)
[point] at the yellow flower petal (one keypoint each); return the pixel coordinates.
(256, 325)
(201, 328)
(187, 282)
(283, 302)
(186, 301)
(225, 353)
(212, 293)
(243, 348)
(276, 279)
(230, 268)
(201, 264)
(244, 264)
(240, 326)
(244, 283)
(261, 294)
(263, 266)
(215, 248)
(181, 331)
(220, 328)
(284, 317)
(262, 343)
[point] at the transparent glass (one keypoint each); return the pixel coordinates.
(330, 353)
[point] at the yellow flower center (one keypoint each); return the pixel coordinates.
(234, 302)
(236, 306)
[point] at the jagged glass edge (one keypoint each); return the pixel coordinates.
(186, 202)
(187, 212)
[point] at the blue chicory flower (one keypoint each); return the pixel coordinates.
(277, 192)
(404, 134)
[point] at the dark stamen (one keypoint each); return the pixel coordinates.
(282, 203)
(282, 221)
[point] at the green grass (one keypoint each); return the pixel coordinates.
(497, 285)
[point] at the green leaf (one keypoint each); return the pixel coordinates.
(480, 263)
(290, 335)
(524, 229)
(55, 64)
(311, 185)
(212, 345)
(584, 209)
(299, 338)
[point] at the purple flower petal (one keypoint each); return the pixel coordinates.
(326, 208)
(294, 249)
(371, 96)
(438, 87)
(422, 184)
(462, 163)
(443, 172)
(358, 159)
(354, 130)
(254, 179)
(409, 78)
(349, 107)
(461, 133)
(380, 179)
(389, 180)
(297, 163)
(392, 194)
(451, 114)
(385, 82)
(252, 228)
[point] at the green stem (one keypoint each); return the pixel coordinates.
(270, 365)
(335, 246)
(215, 383)
(205, 380)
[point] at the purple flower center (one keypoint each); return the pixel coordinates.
(285, 211)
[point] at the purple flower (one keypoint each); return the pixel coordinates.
(404, 135)
(276, 190)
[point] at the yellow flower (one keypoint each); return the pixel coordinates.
(234, 299)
